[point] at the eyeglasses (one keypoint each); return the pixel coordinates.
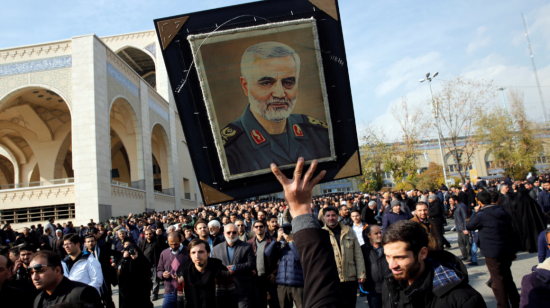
(258, 227)
(231, 232)
(38, 268)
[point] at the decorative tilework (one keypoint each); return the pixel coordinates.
(59, 79)
(158, 109)
(12, 82)
(152, 48)
(115, 88)
(35, 66)
(112, 71)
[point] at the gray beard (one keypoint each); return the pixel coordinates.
(274, 114)
(231, 241)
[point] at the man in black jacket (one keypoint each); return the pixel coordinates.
(9, 295)
(496, 235)
(461, 215)
(47, 276)
(375, 264)
(369, 213)
(422, 278)
(436, 216)
(321, 280)
(152, 249)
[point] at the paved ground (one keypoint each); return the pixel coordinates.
(478, 275)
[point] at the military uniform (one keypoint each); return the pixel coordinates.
(248, 147)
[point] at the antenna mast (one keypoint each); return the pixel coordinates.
(534, 67)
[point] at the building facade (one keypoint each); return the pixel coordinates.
(89, 130)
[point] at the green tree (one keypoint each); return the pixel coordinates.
(511, 137)
(373, 151)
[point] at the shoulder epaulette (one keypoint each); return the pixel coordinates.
(312, 121)
(230, 133)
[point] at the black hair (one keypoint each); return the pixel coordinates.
(53, 259)
(196, 242)
(455, 198)
(73, 238)
(259, 222)
(27, 247)
(410, 232)
(484, 197)
(14, 250)
(355, 211)
(271, 216)
(424, 203)
(329, 209)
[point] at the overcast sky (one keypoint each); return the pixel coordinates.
(390, 44)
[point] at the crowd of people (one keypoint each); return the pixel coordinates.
(303, 251)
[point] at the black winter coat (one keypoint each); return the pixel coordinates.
(435, 213)
(376, 266)
(422, 294)
(367, 215)
(495, 231)
(68, 291)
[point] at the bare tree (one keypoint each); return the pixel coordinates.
(458, 103)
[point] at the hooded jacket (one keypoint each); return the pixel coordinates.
(535, 287)
(86, 270)
(495, 233)
(443, 284)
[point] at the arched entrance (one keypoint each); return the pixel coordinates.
(141, 62)
(35, 128)
(160, 146)
(126, 144)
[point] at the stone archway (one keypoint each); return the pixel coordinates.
(141, 62)
(126, 144)
(161, 151)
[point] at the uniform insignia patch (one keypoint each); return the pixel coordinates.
(317, 122)
(257, 136)
(229, 134)
(297, 130)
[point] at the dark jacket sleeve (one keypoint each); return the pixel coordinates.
(475, 222)
(321, 287)
(250, 258)
(91, 296)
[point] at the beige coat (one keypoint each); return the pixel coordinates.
(349, 258)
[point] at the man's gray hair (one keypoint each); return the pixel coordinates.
(214, 223)
(267, 50)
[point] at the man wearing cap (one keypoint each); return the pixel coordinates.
(393, 215)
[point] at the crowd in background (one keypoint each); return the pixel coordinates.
(246, 253)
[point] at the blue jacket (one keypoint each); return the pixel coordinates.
(290, 271)
(494, 230)
(544, 252)
(134, 231)
(390, 218)
(544, 201)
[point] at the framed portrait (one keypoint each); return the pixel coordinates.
(263, 87)
(261, 83)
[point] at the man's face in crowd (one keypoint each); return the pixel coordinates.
(273, 225)
(375, 235)
(225, 220)
(331, 218)
(90, 243)
(121, 235)
(261, 216)
(537, 183)
(396, 208)
(25, 256)
(70, 247)
(422, 211)
(240, 226)
(402, 262)
(233, 218)
(546, 186)
(259, 229)
(231, 234)
(504, 189)
(174, 242)
(356, 218)
(272, 87)
(13, 257)
(47, 276)
(344, 211)
(188, 233)
(199, 255)
(202, 230)
(4, 270)
(452, 202)
(214, 230)
(26, 232)
(246, 216)
(149, 235)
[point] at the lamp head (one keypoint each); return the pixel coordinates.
(422, 80)
(436, 73)
(427, 75)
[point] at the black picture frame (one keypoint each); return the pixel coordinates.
(184, 81)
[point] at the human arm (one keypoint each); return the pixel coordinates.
(272, 249)
(359, 261)
(542, 246)
(321, 288)
(475, 222)
(250, 260)
(385, 223)
(95, 273)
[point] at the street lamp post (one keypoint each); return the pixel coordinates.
(435, 113)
